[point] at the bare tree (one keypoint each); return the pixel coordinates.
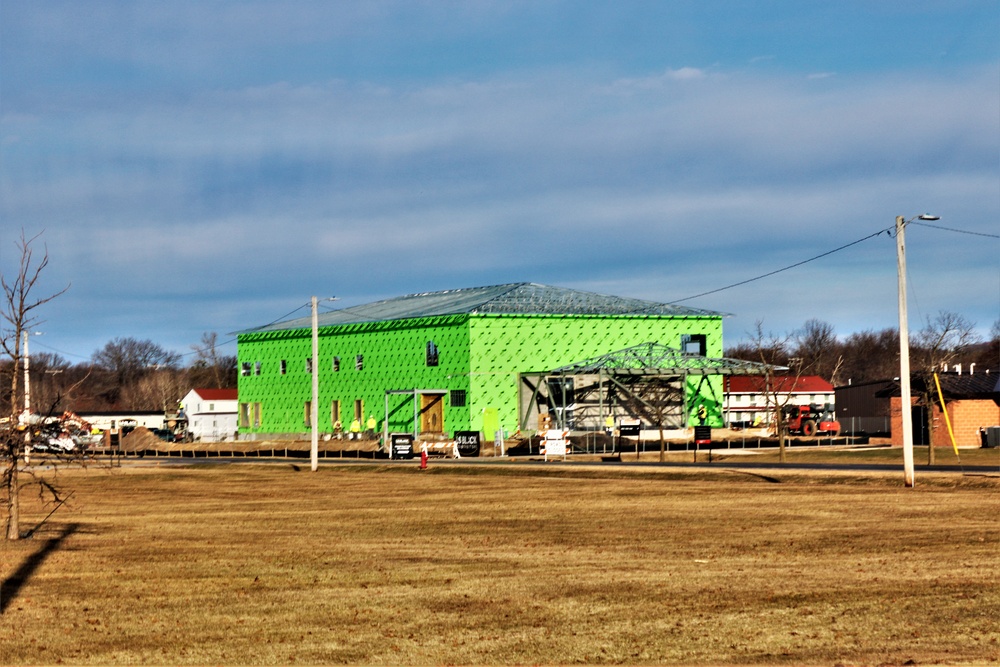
(870, 355)
(48, 393)
(772, 351)
(124, 361)
(159, 390)
(987, 354)
(210, 367)
(19, 311)
(817, 348)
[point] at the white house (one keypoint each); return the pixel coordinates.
(746, 397)
(211, 414)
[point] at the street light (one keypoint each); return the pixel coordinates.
(27, 378)
(904, 347)
(314, 405)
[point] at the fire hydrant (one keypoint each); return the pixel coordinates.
(423, 458)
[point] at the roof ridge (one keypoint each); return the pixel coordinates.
(519, 298)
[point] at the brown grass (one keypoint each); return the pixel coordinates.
(269, 564)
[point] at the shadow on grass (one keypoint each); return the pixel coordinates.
(11, 586)
(766, 478)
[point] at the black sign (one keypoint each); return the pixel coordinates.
(402, 445)
(625, 428)
(703, 435)
(467, 443)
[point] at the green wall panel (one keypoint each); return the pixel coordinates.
(394, 358)
(503, 346)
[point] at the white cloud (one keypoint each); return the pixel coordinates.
(660, 187)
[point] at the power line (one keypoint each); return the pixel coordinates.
(957, 231)
(786, 268)
(888, 230)
(233, 340)
(68, 354)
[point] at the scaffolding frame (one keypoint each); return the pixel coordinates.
(620, 384)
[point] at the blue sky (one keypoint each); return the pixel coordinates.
(207, 165)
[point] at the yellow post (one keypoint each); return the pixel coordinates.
(947, 419)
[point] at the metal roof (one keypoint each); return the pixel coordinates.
(983, 385)
(657, 359)
(790, 384)
(509, 299)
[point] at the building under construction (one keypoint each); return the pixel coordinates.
(486, 359)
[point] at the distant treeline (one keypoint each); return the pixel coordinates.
(815, 349)
(125, 374)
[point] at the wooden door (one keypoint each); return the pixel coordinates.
(431, 413)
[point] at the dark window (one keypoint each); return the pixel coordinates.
(432, 353)
(245, 368)
(693, 344)
(359, 361)
(284, 366)
(336, 364)
(457, 398)
(309, 365)
(256, 368)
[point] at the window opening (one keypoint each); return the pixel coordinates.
(256, 368)
(245, 368)
(359, 361)
(456, 398)
(432, 353)
(694, 344)
(335, 415)
(562, 398)
(309, 365)
(359, 409)
(336, 364)
(284, 366)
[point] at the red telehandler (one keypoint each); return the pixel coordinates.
(810, 420)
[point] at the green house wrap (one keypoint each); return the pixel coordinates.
(448, 361)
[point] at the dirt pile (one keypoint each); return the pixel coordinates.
(140, 440)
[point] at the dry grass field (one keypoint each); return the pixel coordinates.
(377, 564)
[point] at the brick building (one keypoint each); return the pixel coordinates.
(973, 402)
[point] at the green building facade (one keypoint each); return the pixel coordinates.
(446, 361)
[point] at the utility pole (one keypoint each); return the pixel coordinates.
(314, 405)
(904, 355)
(27, 377)
(904, 347)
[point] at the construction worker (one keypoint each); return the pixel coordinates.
(702, 414)
(370, 426)
(338, 429)
(609, 425)
(355, 429)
